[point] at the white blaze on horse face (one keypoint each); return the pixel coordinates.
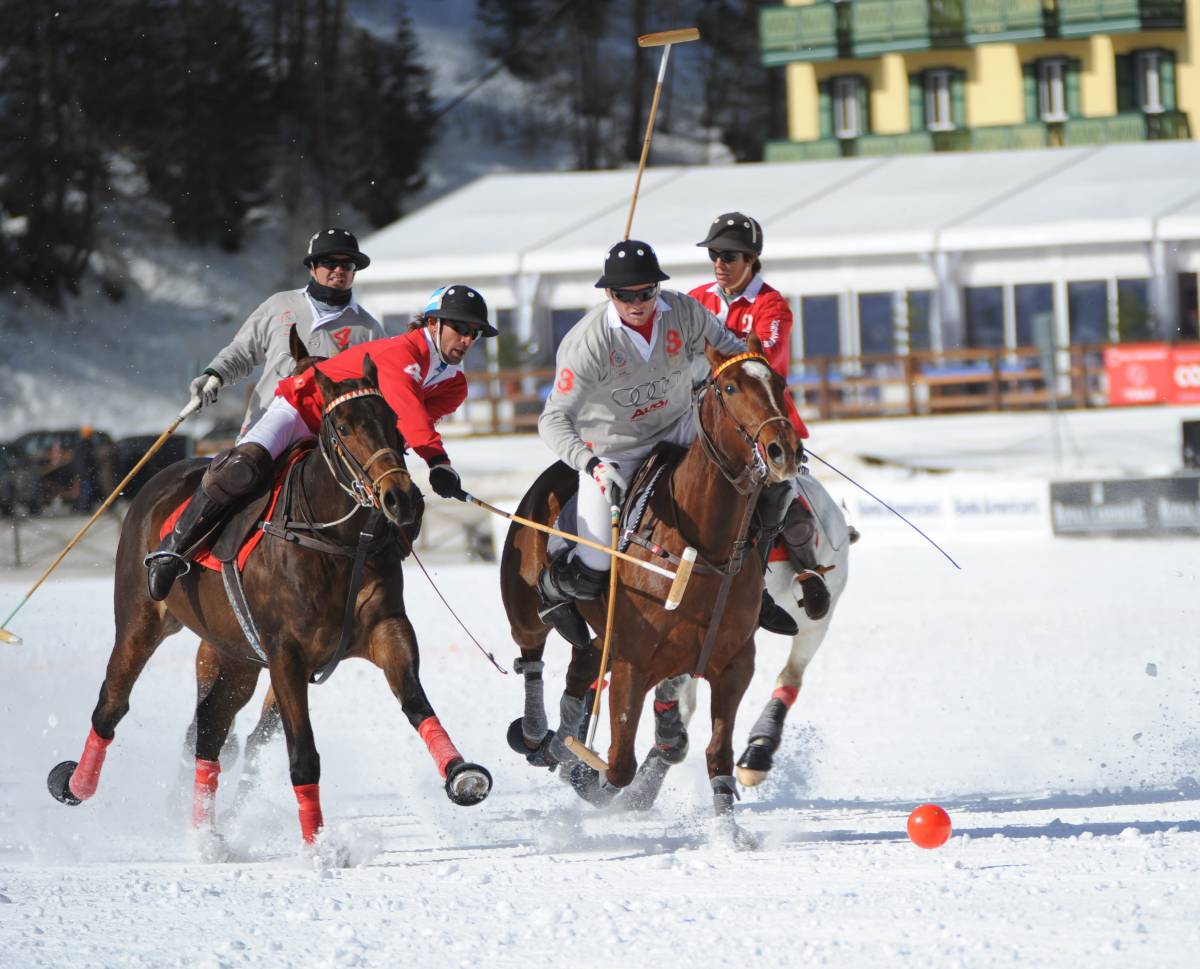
(761, 372)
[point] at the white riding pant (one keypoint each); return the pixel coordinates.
(278, 429)
(594, 520)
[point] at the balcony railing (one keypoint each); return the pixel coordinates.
(1132, 126)
(885, 26)
(1008, 137)
(1081, 18)
(989, 21)
(808, 33)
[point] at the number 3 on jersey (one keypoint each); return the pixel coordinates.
(565, 382)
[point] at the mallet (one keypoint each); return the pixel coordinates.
(663, 39)
(679, 578)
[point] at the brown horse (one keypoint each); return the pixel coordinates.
(297, 589)
(743, 441)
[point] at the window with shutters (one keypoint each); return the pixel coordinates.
(939, 105)
(1052, 88)
(848, 96)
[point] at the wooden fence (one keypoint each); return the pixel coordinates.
(828, 388)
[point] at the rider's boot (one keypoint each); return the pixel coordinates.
(233, 475)
(772, 507)
(564, 580)
(800, 538)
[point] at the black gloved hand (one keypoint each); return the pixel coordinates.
(444, 480)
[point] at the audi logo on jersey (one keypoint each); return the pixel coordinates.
(648, 392)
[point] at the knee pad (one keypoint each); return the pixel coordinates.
(238, 472)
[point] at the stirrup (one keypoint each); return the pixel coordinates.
(167, 554)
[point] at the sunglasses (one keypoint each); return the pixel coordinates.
(464, 329)
(328, 262)
(725, 255)
(635, 295)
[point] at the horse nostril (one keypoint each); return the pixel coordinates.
(775, 453)
(392, 506)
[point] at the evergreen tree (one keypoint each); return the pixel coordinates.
(389, 130)
(742, 99)
(51, 171)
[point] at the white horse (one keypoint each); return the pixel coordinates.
(675, 699)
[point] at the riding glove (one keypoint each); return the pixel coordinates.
(205, 389)
(612, 483)
(444, 480)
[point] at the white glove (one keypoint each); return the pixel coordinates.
(612, 483)
(204, 390)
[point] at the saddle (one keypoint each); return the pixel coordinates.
(238, 535)
(661, 461)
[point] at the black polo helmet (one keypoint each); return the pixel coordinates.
(734, 231)
(462, 304)
(335, 242)
(630, 263)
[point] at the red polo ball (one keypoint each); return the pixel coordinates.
(929, 826)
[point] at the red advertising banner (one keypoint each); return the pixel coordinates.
(1185, 375)
(1139, 373)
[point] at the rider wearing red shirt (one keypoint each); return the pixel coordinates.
(746, 304)
(420, 376)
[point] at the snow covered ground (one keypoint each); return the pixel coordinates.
(1045, 695)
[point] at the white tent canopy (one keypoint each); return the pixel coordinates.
(534, 242)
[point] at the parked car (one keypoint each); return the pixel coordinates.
(41, 467)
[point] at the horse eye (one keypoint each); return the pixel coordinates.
(343, 429)
(731, 388)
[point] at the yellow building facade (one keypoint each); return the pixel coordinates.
(876, 77)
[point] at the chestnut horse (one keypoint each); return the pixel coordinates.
(743, 441)
(675, 700)
(297, 590)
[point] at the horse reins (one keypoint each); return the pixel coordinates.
(748, 483)
(362, 488)
(753, 474)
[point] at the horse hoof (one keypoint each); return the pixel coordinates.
(539, 756)
(590, 786)
(468, 784)
(750, 778)
(756, 757)
(675, 754)
(59, 783)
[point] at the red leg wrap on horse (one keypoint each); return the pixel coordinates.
(308, 796)
(204, 791)
(441, 748)
(662, 706)
(787, 694)
(86, 778)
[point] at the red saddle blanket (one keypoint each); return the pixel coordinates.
(205, 557)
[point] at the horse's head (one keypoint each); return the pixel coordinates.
(362, 444)
(754, 425)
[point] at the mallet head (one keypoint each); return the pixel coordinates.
(680, 35)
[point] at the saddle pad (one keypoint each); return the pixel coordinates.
(205, 557)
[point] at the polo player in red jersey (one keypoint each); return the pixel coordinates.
(742, 300)
(420, 376)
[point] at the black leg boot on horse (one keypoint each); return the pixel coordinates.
(799, 536)
(235, 474)
(670, 744)
(772, 509)
(563, 581)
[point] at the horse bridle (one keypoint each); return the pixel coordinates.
(361, 486)
(754, 474)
